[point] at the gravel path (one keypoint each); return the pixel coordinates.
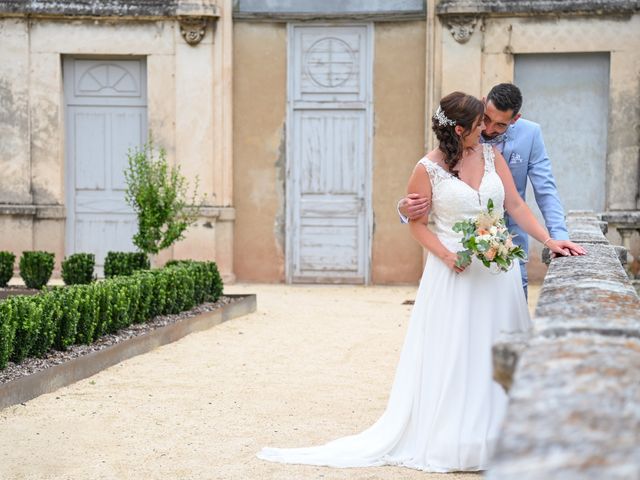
(313, 363)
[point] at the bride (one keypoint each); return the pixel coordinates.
(444, 410)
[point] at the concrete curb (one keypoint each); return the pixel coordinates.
(48, 380)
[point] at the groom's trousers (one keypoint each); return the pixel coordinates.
(525, 279)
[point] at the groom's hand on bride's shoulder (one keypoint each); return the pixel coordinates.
(414, 206)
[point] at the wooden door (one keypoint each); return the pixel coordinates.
(568, 95)
(106, 115)
(328, 175)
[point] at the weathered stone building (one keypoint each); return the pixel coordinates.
(331, 104)
(576, 61)
(80, 83)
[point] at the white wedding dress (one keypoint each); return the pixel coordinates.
(444, 411)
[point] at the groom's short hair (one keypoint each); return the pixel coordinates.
(506, 96)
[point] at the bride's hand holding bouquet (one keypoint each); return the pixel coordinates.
(487, 238)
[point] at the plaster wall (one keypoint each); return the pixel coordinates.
(398, 144)
(259, 111)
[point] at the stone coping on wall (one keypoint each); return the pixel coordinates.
(630, 218)
(536, 7)
(38, 211)
(590, 293)
(588, 229)
(221, 213)
(142, 9)
(58, 376)
(291, 10)
(574, 409)
(58, 212)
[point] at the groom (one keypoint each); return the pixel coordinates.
(520, 142)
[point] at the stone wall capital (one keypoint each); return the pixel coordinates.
(461, 27)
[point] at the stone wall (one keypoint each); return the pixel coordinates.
(574, 410)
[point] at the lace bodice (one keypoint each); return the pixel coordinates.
(453, 200)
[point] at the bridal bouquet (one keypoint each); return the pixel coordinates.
(487, 238)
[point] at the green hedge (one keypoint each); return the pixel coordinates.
(7, 259)
(77, 269)
(36, 268)
(63, 316)
(125, 263)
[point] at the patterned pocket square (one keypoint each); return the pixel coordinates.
(515, 158)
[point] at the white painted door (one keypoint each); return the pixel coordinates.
(568, 95)
(106, 114)
(328, 174)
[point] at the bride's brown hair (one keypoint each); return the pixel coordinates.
(464, 110)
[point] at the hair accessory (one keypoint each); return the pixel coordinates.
(442, 118)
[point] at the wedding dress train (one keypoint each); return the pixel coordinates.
(444, 411)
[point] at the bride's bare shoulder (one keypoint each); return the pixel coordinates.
(435, 156)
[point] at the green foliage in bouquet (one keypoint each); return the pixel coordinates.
(488, 239)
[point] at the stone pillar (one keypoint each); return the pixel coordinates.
(203, 128)
(462, 49)
(623, 156)
(15, 147)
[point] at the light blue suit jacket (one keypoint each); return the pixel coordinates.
(524, 152)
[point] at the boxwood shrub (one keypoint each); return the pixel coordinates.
(7, 331)
(36, 268)
(26, 318)
(77, 269)
(125, 263)
(7, 260)
(63, 316)
(51, 317)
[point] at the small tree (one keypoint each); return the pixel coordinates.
(158, 195)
